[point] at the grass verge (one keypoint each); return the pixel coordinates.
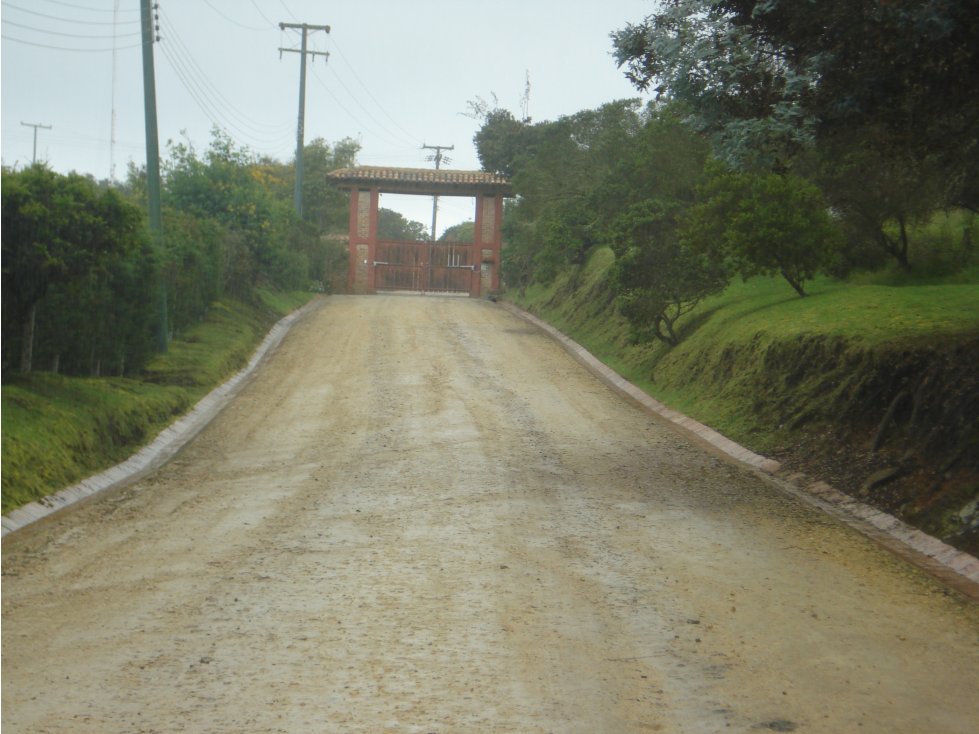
(57, 430)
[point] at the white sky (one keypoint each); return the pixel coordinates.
(400, 74)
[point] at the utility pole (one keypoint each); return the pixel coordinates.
(35, 125)
(437, 157)
(150, 29)
(300, 128)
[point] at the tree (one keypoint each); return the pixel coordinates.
(878, 193)
(502, 141)
(56, 230)
(324, 205)
(763, 224)
(229, 185)
(462, 232)
(768, 78)
(736, 87)
(391, 225)
(556, 167)
(907, 72)
(658, 277)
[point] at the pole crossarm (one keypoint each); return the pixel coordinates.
(300, 51)
(307, 26)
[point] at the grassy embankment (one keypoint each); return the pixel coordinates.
(811, 380)
(58, 430)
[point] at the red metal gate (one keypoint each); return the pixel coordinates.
(441, 267)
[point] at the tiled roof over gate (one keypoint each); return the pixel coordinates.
(421, 180)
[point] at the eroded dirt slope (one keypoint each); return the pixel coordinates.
(423, 516)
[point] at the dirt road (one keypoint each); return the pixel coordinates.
(423, 516)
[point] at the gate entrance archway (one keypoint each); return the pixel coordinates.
(424, 266)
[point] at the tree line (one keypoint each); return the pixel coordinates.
(784, 138)
(86, 290)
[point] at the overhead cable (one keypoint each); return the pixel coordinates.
(67, 20)
(211, 89)
(66, 48)
(70, 35)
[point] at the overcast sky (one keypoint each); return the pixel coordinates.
(399, 75)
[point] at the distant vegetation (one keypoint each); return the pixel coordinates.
(392, 225)
(86, 291)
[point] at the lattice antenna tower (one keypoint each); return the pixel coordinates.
(525, 99)
(112, 119)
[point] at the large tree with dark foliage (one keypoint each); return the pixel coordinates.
(60, 230)
(768, 76)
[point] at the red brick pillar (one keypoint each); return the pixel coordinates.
(487, 241)
(375, 198)
(362, 239)
(497, 240)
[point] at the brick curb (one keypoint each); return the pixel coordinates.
(167, 443)
(957, 568)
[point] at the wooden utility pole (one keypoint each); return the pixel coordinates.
(300, 128)
(35, 125)
(437, 157)
(150, 28)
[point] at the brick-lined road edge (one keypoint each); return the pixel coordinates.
(956, 568)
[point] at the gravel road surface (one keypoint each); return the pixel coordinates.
(423, 516)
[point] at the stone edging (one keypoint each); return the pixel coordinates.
(167, 443)
(952, 565)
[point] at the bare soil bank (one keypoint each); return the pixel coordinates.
(893, 425)
(423, 515)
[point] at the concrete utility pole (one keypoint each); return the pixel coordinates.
(35, 125)
(150, 28)
(300, 128)
(437, 157)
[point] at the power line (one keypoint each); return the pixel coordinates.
(379, 131)
(288, 12)
(259, 11)
(196, 76)
(204, 102)
(66, 48)
(394, 138)
(353, 72)
(232, 20)
(94, 10)
(70, 35)
(68, 20)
